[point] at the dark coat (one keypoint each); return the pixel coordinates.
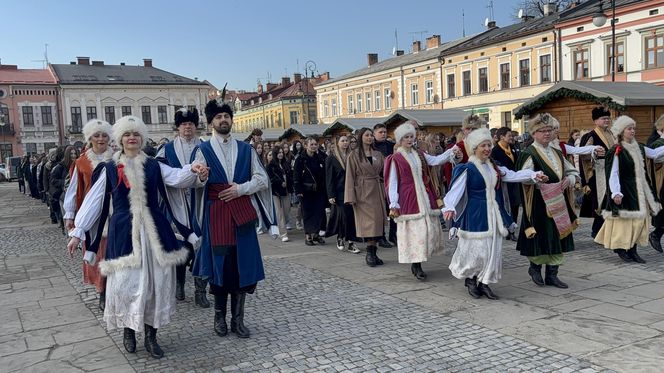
(335, 177)
(57, 181)
(307, 170)
(278, 175)
(501, 159)
(384, 147)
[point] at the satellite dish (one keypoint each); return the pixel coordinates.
(486, 22)
(520, 15)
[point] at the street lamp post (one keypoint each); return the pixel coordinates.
(599, 19)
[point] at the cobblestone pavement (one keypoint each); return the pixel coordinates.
(321, 310)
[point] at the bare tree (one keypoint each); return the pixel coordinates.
(535, 8)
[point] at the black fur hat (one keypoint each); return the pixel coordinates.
(185, 115)
(599, 112)
(213, 108)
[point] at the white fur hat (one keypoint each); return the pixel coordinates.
(475, 138)
(403, 130)
(129, 123)
(621, 123)
(96, 125)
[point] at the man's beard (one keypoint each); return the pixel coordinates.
(223, 130)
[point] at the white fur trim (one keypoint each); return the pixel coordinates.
(490, 181)
(420, 190)
(94, 160)
(129, 123)
(96, 125)
(134, 170)
(620, 124)
(403, 130)
(475, 138)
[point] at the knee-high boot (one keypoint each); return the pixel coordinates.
(237, 315)
(220, 304)
(551, 277)
(180, 273)
(655, 239)
(151, 344)
(199, 296)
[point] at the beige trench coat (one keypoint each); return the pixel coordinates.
(364, 189)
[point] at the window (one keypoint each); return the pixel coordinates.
(162, 114)
(504, 76)
(524, 72)
(312, 116)
(507, 119)
(654, 51)
(545, 68)
(6, 151)
(359, 102)
(377, 98)
(334, 107)
(466, 82)
(325, 108)
(581, 64)
(451, 89)
(146, 114)
(31, 148)
(414, 95)
(293, 117)
(619, 57)
(126, 110)
(47, 116)
(428, 86)
(484, 80)
(388, 98)
(91, 112)
(351, 109)
(76, 119)
(109, 114)
(28, 117)
(368, 97)
(4, 114)
(279, 119)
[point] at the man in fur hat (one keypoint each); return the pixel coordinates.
(229, 256)
(544, 237)
(592, 168)
(177, 153)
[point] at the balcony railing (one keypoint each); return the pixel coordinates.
(75, 129)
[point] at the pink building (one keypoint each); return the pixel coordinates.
(29, 112)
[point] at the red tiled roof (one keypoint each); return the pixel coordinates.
(12, 75)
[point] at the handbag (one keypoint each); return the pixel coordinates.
(310, 187)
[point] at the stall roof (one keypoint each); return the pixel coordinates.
(353, 124)
(616, 95)
(430, 118)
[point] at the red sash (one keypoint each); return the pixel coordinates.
(226, 216)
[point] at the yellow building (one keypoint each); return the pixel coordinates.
(490, 73)
(278, 105)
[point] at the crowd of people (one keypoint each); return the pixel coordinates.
(141, 215)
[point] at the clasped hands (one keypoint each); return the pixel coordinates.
(202, 171)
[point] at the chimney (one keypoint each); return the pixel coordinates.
(83, 60)
(433, 41)
(122, 63)
(259, 89)
(549, 8)
(325, 76)
(147, 62)
(399, 53)
(8, 67)
(491, 25)
(285, 81)
(97, 63)
(417, 46)
(297, 77)
(372, 59)
(271, 86)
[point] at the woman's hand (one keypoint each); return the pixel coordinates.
(448, 215)
(69, 224)
(333, 201)
(73, 245)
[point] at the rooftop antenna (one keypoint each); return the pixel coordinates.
(45, 60)
(490, 6)
(396, 43)
(463, 22)
(418, 32)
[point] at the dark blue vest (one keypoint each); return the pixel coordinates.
(171, 156)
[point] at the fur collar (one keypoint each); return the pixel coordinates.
(97, 159)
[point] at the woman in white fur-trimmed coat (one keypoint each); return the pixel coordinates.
(475, 202)
(629, 201)
(142, 250)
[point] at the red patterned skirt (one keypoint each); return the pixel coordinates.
(91, 273)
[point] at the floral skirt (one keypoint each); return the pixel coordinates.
(417, 239)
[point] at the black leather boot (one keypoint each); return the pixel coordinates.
(237, 315)
(486, 290)
(551, 277)
(634, 255)
(371, 257)
(129, 340)
(416, 270)
(622, 253)
(220, 303)
(151, 344)
(535, 272)
(655, 239)
(102, 301)
(471, 284)
(180, 272)
(379, 262)
(200, 298)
